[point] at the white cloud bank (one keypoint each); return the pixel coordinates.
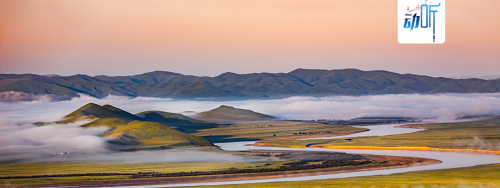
(72, 138)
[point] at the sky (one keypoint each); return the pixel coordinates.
(210, 37)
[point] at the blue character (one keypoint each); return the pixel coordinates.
(413, 23)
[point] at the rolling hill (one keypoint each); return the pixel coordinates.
(300, 82)
(113, 117)
(145, 128)
(94, 111)
(177, 121)
(227, 114)
(151, 133)
(108, 122)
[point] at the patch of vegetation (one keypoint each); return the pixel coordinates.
(45, 173)
(177, 121)
(230, 113)
(105, 111)
(108, 122)
(300, 165)
(53, 168)
(92, 111)
(477, 135)
(151, 133)
(478, 176)
(282, 129)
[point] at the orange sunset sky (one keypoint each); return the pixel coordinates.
(210, 37)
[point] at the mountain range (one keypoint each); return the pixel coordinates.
(300, 82)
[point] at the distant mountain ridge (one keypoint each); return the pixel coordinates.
(300, 82)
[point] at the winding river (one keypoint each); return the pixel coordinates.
(449, 159)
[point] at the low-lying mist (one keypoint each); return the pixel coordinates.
(17, 134)
(51, 138)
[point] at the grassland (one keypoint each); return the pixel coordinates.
(151, 133)
(477, 135)
(485, 176)
(229, 113)
(281, 130)
(177, 121)
(108, 122)
(48, 168)
(54, 168)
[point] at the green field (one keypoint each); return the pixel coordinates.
(48, 168)
(282, 129)
(152, 133)
(272, 161)
(485, 176)
(108, 122)
(478, 135)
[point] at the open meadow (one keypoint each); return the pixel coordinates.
(483, 134)
(273, 130)
(265, 163)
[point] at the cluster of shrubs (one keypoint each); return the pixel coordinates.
(290, 167)
(302, 133)
(261, 126)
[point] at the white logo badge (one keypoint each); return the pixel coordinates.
(421, 21)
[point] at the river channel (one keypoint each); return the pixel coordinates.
(449, 159)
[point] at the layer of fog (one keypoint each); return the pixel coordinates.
(478, 143)
(51, 138)
(335, 107)
(18, 135)
(12, 96)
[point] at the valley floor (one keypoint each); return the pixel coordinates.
(379, 162)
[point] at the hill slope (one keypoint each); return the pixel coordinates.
(231, 114)
(92, 111)
(177, 121)
(108, 122)
(151, 133)
(230, 85)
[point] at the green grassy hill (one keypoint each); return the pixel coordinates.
(229, 113)
(177, 121)
(106, 111)
(93, 111)
(151, 133)
(108, 122)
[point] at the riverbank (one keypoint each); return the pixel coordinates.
(388, 148)
(483, 176)
(481, 136)
(382, 162)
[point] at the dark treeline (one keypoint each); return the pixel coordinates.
(323, 132)
(364, 121)
(290, 167)
(68, 175)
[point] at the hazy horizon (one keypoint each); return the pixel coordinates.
(484, 77)
(207, 38)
